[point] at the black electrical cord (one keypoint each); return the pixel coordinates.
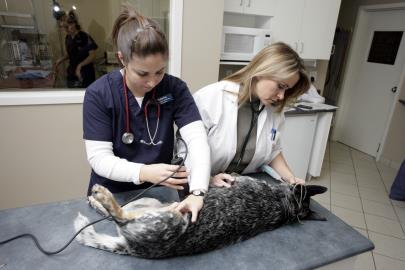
(178, 160)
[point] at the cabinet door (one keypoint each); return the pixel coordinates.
(234, 6)
(261, 7)
(286, 24)
(318, 28)
(297, 151)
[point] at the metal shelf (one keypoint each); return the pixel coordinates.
(15, 14)
(11, 26)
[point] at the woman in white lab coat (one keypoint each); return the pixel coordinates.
(243, 114)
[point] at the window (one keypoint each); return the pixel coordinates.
(32, 39)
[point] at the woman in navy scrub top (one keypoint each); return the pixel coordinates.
(135, 90)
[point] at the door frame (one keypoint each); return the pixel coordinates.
(175, 36)
(344, 100)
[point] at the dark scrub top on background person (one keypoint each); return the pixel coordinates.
(104, 120)
(78, 49)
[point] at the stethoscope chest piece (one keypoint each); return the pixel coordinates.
(127, 138)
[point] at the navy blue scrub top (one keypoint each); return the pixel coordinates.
(104, 120)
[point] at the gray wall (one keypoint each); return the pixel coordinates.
(202, 30)
(42, 154)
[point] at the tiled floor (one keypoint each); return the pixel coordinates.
(358, 193)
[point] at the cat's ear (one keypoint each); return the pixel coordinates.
(315, 216)
(315, 189)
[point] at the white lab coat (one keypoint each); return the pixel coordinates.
(218, 106)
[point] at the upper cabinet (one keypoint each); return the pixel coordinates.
(308, 26)
(252, 7)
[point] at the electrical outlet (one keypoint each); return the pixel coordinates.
(313, 75)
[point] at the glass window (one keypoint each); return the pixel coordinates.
(38, 47)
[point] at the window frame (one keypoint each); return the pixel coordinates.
(41, 96)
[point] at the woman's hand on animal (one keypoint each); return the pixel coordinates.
(222, 180)
(191, 204)
(295, 180)
(155, 173)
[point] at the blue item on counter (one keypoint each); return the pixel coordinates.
(270, 171)
(398, 187)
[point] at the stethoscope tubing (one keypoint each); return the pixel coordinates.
(128, 136)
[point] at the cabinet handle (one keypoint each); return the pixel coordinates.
(241, 3)
(333, 49)
(302, 47)
(248, 5)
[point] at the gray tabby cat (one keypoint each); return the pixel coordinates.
(150, 229)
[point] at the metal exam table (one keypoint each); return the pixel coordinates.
(297, 246)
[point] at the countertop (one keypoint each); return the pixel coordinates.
(296, 246)
(315, 108)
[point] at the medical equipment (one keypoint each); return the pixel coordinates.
(128, 136)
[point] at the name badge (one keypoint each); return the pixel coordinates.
(164, 99)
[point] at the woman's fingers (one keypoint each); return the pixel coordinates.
(178, 187)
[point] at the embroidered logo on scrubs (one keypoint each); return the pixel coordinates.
(164, 99)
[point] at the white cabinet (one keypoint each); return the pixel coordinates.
(308, 26)
(297, 140)
(252, 7)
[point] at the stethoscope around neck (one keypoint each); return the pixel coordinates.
(128, 137)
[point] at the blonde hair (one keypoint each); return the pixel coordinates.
(275, 62)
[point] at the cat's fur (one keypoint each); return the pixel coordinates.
(149, 229)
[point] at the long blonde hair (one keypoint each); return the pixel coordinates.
(275, 62)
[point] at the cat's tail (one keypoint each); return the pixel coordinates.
(91, 238)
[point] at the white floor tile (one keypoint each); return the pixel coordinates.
(367, 172)
(364, 261)
(324, 197)
(353, 218)
(357, 155)
(398, 203)
(347, 189)
(371, 182)
(346, 201)
(343, 178)
(342, 168)
(388, 246)
(384, 226)
(377, 195)
(401, 213)
(379, 209)
(387, 263)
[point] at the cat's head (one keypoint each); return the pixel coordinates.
(303, 196)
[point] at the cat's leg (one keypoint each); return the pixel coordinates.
(107, 200)
(91, 238)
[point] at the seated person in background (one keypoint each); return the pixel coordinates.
(243, 114)
(81, 52)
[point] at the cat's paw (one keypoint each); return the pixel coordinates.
(97, 206)
(101, 194)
